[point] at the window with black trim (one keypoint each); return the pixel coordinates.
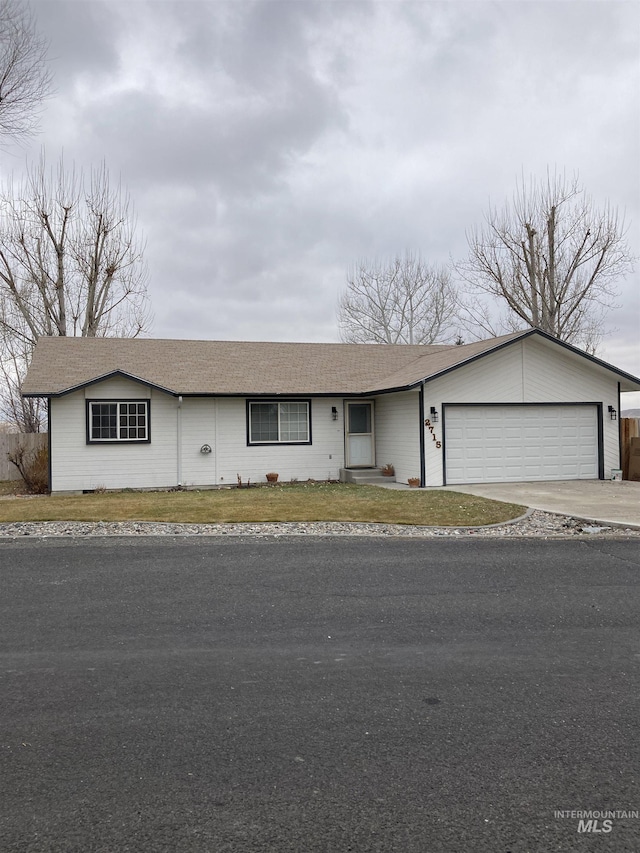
(111, 420)
(281, 422)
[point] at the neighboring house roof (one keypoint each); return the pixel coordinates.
(245, 368)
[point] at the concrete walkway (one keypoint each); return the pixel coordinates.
(602, 501)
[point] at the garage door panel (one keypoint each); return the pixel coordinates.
(494, 453)
(569, 432)
(572, 472)
(531, 472)
(512, 434)
(486, 444)
(478, 472)
(493, 433)
(474, 434)
(494, 475)
(513, 455)
(532, 453)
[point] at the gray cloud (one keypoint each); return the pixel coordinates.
(268, 145)
(82, 37)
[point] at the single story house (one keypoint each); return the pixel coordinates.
(144, 413)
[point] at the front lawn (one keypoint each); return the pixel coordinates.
(284, 502)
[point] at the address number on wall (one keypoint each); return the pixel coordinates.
(432, 430)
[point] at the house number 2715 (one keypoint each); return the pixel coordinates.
(431, 429)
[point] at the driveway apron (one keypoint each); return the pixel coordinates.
(602, 501)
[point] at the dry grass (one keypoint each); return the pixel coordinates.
(11, 487)
(295, 502)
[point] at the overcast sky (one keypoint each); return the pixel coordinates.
(269, 145)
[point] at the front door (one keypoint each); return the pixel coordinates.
(360, 438)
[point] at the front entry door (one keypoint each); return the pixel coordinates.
(360, 439)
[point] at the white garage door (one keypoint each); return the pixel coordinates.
(502, 444)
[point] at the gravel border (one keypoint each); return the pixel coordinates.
(533, 524)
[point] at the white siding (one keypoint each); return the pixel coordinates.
(117, 389)
(571, 379)
(76, 465)
(198, 428)
(530, 371)
(218, 422)
(320, 460)
(397, 424)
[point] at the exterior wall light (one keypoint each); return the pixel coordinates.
(334, 413)
(206, 448)
(434, 415)
(613, 414)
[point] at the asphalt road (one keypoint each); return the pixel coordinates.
(316, 695)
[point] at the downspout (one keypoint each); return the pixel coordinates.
(215, 436)
(179, 448)
(423, 467)
(600, 416)
(49, 466)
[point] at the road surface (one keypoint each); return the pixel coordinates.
(319, 694)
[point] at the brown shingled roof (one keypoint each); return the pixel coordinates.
(61, 364)
(242, 368)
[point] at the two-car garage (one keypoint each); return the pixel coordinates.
(513, 443)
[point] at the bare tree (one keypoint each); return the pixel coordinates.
(25, 79)
(19, 414)
(402, 301)
(70, 264)
(551, 258)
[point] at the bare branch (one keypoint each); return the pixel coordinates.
(25, 79)
(551, 258)
(403, 301)
(70, 262)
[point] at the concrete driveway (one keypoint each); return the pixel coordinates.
(603, 501)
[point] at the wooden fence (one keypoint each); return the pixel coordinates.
(629, 428)
(11, 441)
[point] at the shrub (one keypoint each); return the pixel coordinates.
(33, 467)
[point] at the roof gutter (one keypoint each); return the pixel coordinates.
(49, 451)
